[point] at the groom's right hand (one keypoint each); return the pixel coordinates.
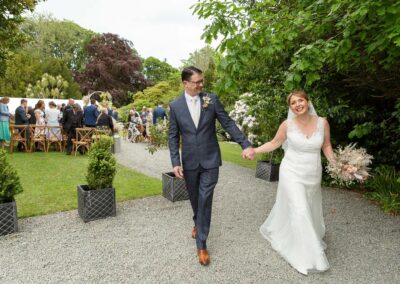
(178, 171)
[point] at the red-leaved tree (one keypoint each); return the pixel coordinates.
(113, 66)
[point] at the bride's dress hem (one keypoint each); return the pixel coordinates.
(305, 271)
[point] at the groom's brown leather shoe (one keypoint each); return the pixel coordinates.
(204, 258)
(194, 232)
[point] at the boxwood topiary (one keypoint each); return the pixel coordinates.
(102, 166)
(10, 184)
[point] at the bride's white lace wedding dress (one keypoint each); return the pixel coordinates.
(295, 227)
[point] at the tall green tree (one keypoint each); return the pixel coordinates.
(52, 38)
(156, 70)
(345, 53)
(10, 18)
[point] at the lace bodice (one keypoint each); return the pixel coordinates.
(299, 142)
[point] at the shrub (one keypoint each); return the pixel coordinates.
(385, 188)
(159, 136)
(102, 165)
(9, 180)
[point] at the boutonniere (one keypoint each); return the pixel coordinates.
(206, 101)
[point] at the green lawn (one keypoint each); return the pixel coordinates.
(231, 153)
(50, 179)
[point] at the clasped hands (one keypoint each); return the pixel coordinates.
(249, 153)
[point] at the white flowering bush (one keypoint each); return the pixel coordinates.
(246, 122)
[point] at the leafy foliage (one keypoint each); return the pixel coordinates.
(112, 66)
(156, 70)
(385, 188)
(48, 87)
(25, 68)
(102, 165)
(52, 38)
(11, 17)
(9, 180)
(159, 137)
(344, 53)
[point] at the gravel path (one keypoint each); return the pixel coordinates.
(149, 240)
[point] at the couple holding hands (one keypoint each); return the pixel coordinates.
(295, 225)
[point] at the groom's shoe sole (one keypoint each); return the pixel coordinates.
(194, 232)
(204, 258)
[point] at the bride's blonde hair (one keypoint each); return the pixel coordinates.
(298, 93)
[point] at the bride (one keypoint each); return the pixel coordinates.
(295, 227)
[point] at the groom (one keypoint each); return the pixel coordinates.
(192, 119)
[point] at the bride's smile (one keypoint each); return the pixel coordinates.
(298, 105)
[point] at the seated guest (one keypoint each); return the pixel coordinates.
(104, 121)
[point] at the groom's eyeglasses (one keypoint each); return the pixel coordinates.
(197, 82)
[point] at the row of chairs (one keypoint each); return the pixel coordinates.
(31, 136)
(86, 136)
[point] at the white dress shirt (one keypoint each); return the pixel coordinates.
(197, 106)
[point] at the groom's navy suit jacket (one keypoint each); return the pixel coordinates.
(199, 146)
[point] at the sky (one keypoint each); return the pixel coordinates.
(165, 29)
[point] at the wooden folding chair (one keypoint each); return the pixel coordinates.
(19, 134)
(98, 133)
(83, 139)
(53, 136)
(37, 136)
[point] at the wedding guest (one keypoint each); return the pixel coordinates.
(115, 114)
(90, 114)
(159, 113)
(52, 119)
(104, 121)
(61, 108)
(31, 112)
(40, 121)
(67, 107)
(4, 121)
(149, 122)
(144, 117)
(22, 118)
(72, 119)
(132, 114)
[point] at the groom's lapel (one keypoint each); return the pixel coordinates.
(202, 110)
(185, 110)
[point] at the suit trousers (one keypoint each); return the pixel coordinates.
(200, 184)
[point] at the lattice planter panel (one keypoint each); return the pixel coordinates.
(96, 204)
(267, 171)
(174, 188)
(8, 218)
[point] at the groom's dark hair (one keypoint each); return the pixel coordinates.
(187, 72)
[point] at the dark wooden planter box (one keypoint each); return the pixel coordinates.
(96, 204)
(267, 171)
(174, 188)
(8, 218)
